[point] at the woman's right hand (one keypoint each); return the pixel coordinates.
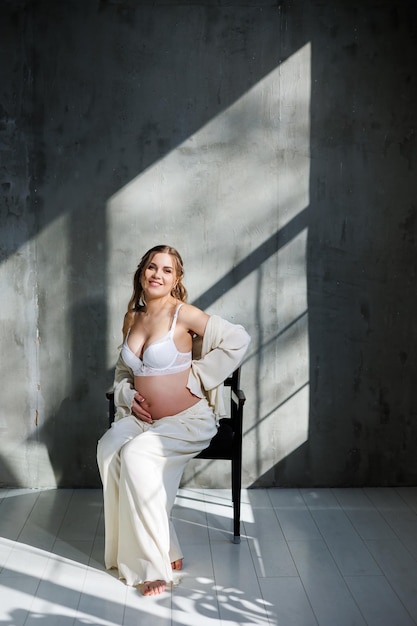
(138, 409)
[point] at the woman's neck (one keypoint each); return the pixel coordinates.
(156, 305)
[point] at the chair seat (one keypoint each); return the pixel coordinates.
(221, 446)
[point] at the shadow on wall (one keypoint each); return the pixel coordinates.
(361, 255)
(8, 477)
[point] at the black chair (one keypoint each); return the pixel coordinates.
(226, 444)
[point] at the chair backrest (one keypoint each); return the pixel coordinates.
(227, 443)
(112, 408)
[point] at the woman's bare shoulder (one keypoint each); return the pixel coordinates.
(193, 318)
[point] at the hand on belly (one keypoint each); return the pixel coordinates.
(140, 408)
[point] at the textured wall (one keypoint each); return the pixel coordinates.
(274, 144)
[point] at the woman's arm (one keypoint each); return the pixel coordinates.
(123, 388)
(224, 346)
(126, 399)
(193, 319)
(224, 343)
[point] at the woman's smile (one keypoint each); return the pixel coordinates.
(160, 273)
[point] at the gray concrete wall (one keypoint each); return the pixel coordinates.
(274, 144)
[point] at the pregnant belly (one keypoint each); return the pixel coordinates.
(165, 395)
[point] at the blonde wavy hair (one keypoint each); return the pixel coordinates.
(138, 301)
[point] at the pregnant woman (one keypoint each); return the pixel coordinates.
(167, 408)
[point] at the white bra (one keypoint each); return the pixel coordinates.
(160, 357)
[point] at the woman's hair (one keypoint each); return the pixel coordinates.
(138, 300)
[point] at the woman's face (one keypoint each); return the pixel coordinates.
(159, 276)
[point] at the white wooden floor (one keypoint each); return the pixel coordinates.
(332, 557)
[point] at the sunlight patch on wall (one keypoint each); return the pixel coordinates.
(280, 347)
(217, 197)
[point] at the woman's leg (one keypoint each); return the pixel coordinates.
(150, 473)
(108, 459)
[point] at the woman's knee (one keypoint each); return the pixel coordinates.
(100, 448)
(108, 448)
(104, 453)
(140, 454)
(104, 444)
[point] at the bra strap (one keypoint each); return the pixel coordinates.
(174, 321)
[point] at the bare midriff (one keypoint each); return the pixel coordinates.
(166, 394)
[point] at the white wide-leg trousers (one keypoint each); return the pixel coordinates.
(141, 467)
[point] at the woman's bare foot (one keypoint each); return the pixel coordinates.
(177, 564)
(154, 587)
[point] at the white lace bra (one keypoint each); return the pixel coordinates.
(160, 357)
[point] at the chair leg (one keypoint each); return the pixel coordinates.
(236, 496)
